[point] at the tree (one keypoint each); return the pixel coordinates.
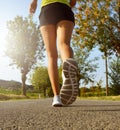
(40, 79)
(24, 45)
(114, 75)
(97, 24)
(86, 66)
(99, 87)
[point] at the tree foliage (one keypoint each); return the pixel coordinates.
(40, 79)
(97, 23)
(24, 45)
(87, 66)
(114, 75)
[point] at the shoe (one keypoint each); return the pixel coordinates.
(69, 90)
(57, 101)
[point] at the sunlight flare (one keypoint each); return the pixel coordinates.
(3, 33)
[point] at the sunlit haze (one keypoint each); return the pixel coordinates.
(9, 9)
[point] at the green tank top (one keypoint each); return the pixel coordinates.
(46, 2)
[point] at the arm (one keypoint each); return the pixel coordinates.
(72, 3)
(33, 6)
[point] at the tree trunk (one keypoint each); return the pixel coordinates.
(106, 66)
(119, 10)
(23, 84)
(44, 92)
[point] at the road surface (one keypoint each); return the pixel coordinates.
(40, 115)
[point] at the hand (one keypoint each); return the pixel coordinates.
(33, 6)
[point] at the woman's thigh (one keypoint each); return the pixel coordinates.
(49, 37)
(64, 32)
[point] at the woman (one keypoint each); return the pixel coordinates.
(56, 26)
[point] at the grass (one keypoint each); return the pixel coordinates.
(112, 98)
(4, 97)
(16, 95)
(7, 91)
(6, 94)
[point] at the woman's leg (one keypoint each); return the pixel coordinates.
(69, 90)
(49, 36)
(64, 32)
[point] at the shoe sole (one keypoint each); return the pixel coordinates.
(57, 105)
(69, 90)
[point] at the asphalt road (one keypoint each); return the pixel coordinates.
(40, 115)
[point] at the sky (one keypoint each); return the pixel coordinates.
(9, 9)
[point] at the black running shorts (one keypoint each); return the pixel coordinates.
(54, 13)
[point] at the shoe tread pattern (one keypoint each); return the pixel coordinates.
(69, 90)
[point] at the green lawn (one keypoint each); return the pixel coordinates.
(11, 95)
(113, 98)
(15, 95)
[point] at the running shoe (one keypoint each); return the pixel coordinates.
(57, 101)
(69, 90)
